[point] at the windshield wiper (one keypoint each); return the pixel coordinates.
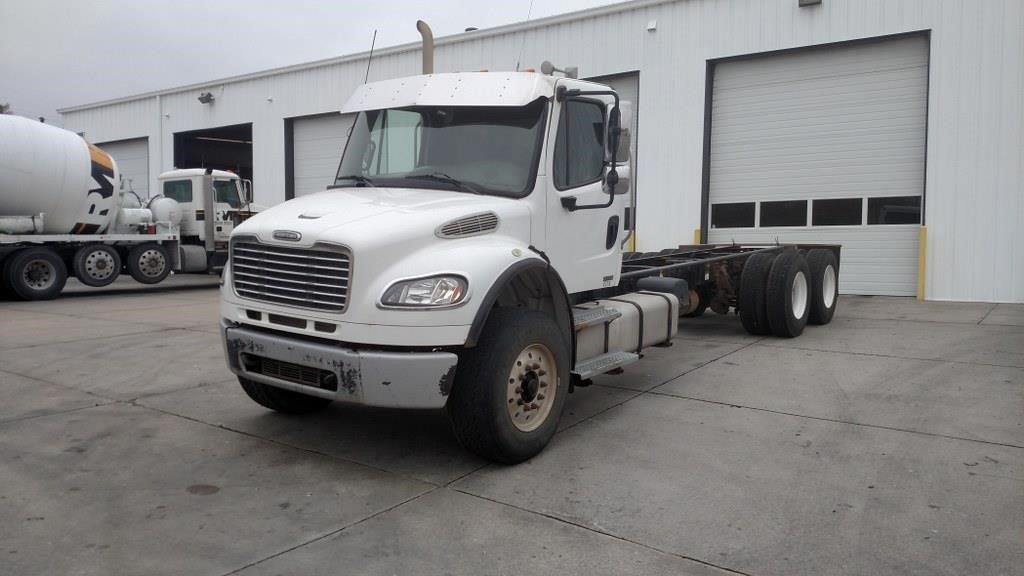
(442, 177)
(355, 178)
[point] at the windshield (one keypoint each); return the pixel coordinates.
(489, 150)
(226, 192)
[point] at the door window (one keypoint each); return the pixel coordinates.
(179, 190)
(579, 145)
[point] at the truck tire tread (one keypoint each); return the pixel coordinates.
(752, 297)
(779, 305)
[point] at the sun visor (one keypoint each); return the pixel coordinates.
(452, 89)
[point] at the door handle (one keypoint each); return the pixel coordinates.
(613, 232)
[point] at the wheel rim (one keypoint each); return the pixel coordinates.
(152, 263)
(99, 265)
(39, 274)
(799, 295)
(532, 385)
(828, 286)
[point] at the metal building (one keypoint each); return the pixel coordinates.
(895, 127)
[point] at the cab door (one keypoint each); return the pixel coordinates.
(582, 243)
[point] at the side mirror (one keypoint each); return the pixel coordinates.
(247, 190)
(614, 130)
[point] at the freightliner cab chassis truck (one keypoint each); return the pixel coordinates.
(469, 256)
(64, 208)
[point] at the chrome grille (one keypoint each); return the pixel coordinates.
(304, 277)
(469, 226)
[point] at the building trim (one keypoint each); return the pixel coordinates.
(393, 50)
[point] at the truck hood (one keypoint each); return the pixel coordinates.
(362, 216)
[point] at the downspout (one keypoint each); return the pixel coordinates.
(428, 46)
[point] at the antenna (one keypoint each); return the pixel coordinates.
(523, 43)
(370, 58)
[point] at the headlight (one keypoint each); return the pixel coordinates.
(426, 292)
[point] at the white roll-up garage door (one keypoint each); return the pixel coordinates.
(318, 142)
(825, 145)
(132, 157)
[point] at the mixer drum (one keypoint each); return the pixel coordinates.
(52, 171)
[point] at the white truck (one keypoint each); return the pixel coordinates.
(470, 256)
(63, 206)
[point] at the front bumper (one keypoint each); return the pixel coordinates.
(370, 377)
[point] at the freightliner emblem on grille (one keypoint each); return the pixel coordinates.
(287, 235)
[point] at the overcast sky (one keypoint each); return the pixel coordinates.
(58, 53)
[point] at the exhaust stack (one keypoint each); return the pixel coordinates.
(428, 46)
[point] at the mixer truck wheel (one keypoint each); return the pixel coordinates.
(510, 389)
(96, 265)
(36, 274)
(149, 263)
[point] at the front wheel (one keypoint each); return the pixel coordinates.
(510, 390)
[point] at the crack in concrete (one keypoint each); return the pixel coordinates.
(987, 314)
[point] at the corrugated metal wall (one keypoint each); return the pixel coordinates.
(974, 199)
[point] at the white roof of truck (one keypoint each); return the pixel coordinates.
(453, 89)
(189, 172)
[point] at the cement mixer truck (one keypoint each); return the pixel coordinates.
(64, 209)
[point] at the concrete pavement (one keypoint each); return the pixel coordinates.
(891, 441)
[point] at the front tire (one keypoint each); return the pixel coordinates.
(281, 400)
(35, 274)
(511, 388)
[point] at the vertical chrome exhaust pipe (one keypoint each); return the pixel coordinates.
(428, 46)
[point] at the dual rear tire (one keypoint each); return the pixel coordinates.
(780, 293)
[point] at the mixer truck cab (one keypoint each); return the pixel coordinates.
(212, 202)
(469, 256)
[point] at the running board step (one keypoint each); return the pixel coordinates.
(604, 363)
(587, 317)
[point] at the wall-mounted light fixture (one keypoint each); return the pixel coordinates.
(206, 98)
(803, 3)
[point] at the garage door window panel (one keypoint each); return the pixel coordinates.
(894, 210)
(733, 215)
(784, 213)
(838, 212)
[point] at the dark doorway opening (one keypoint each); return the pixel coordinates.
(222, 148)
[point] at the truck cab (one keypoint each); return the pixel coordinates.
(212, 203)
